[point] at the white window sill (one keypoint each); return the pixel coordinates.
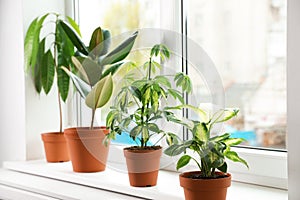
(112, 183)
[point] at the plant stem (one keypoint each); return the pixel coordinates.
(150, 66)
(93, 117)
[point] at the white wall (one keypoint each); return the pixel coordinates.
(12, 101)
(293, 62)
(42, 114)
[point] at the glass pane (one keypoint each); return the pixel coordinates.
(246, 39)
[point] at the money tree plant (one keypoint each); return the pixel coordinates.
(138, 104)
(96, 65)
(210, 152)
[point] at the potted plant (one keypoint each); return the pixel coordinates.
(45, 65)
(136, 109)
(208, 152)
(94, 83)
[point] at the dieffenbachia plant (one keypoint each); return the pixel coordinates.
(96, 66)
(139, 103)
(46, 49)
(210, 152)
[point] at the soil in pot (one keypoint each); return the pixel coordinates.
(88, 153)
(198, 188)
(55, 146)
(143, 165)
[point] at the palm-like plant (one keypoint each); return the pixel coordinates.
(211, 151)
(44, 62)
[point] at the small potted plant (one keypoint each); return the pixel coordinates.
(45, 64)
(208, 152)
(94, 83)
(136, 109)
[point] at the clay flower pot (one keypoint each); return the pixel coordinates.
(142, 166)
(55, 146)
(204, 189)
(87, 151)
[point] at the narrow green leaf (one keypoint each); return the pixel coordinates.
(183, 161)
(74, 38)
(28, 43)
(38, 67)
(233, 141)
(82, 87)
(176, 95)
(74, 25)
(145, 133)
(135, 92)
(227, 114)
(47, 71)
(219, 138)
(100, 94)
(163, 81)
(120, 52)
(63, 82)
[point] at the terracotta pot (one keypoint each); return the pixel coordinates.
(55, 146)
(142, 166)
(87, 151)
(204, 189)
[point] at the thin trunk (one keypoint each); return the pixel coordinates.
(93, 117)
(60, 113)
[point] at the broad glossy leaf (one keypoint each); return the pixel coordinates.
(47, 71)
(74, 25)
(38, 67)
(100, 94)
(120, 52)
(74, 38)
(112, 69)
(96, 45)
(93, 70)
(82, 87)
(81, 70)
(153, 127)
(183, 161)
(135, 131)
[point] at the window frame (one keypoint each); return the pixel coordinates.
(267, 167)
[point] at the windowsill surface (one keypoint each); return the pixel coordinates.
(167, 187)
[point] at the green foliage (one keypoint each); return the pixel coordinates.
(45, 61)
(212, 151)
(138, 103)
(96, 66)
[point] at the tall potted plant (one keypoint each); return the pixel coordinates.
(135, 111)
(208, 152)
(45, 64)
(94, 83)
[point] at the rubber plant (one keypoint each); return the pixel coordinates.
(46, 49)
(208, 151)
(136, 109)
(95, 65)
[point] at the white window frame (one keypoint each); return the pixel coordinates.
(267, 167)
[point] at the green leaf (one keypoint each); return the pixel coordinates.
(82, 87)
(233, 141)
(74, 25)
(223, 168)
(135, 131)
(63, 82)
(182, 80)
(100, 94)
(47, 71)
(135, 92)
(226, 114)
(80, 68)
(92, 70)
(145, 133)
(163, 81)
(183, 161)
(200, 131)
(153, 127)
(176, 95)
(146, 96)
(107, 41)
(219, 138)
(97, 38)
(74, 38)
(112, 69)
(171, 138)
(31, 42)
(120, 52)
(110, 117)
(38, 67)
(235, 158)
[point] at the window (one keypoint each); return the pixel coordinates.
(246, 40)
